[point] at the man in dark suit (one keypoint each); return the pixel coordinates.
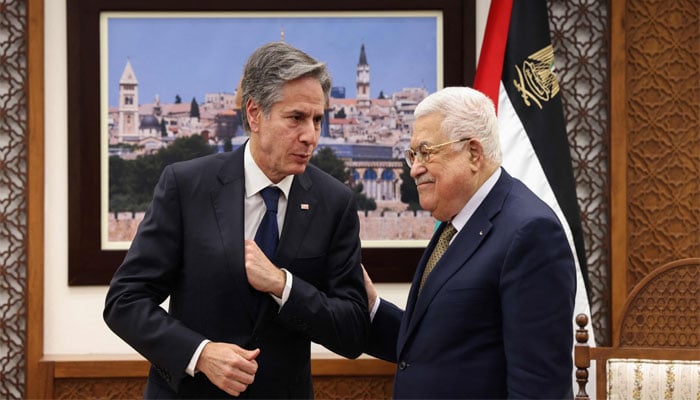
(240, 322)
(489, 313)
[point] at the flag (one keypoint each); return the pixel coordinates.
(516, 70)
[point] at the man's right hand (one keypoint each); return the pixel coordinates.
(230, 367)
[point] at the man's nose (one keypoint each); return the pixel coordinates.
(310, 132)
(417, 168)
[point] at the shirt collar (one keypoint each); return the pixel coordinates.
(255, 178)
(468, 210)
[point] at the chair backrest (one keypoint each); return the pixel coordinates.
(663, 310)
(657, 351)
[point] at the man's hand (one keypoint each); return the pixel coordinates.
(230, 367)
(369, 288)
(262, 274)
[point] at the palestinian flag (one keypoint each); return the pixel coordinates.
(516, 70)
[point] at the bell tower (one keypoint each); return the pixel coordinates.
(363, 96)
(128, 104)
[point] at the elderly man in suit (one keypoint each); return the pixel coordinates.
(489, 313)
(243, 312)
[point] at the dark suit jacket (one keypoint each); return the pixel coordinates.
(495, 317)
(190, 247)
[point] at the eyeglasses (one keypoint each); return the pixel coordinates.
(423, 152)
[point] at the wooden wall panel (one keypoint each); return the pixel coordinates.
(101, 377)
(663, 103)
(99, 388)
(655, 146)
(327, 387)
(353, 387)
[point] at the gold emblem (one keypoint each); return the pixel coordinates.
(537, 82)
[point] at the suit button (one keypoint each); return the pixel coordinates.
(403, 365)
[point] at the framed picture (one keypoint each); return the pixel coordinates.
(150, 77)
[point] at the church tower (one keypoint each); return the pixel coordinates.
(128, 104)
(363, 98)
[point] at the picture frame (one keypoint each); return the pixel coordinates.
(90, 263)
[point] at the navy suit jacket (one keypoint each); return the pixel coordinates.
(494, 319)
(190, 247)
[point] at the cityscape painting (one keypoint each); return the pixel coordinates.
(168, 83)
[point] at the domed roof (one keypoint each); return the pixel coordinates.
(149, 122)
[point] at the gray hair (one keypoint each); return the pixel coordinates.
(269, 68)
(468, 113)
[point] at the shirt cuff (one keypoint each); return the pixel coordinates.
(191, 367)
(374, 309)
(287, 289)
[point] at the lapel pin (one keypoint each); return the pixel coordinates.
(481, 233)
(304, 206)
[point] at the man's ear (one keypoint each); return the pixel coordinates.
(254, 113)
(476, 152)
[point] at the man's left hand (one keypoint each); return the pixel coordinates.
(262, 274)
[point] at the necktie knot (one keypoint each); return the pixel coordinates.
(271, 195)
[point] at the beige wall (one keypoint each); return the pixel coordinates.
(72, 315)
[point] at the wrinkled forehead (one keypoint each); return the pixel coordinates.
(427, 130)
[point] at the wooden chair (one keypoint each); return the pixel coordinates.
(657, 351)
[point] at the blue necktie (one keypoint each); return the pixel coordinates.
(267, 237)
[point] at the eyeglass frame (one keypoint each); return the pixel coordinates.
(423, 152)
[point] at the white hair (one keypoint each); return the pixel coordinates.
(468, 114)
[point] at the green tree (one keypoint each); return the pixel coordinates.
(117, 173)
(364, 203)
(184, 148)
(131, 182)
(194, 109)
(178, 99)
(409, 192)
(327, 161)
(142, 177)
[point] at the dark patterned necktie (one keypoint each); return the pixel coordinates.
(267, 235)
(440, 248)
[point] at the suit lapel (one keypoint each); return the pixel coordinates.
(301, 207)
(228, 203)
(456, 257)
